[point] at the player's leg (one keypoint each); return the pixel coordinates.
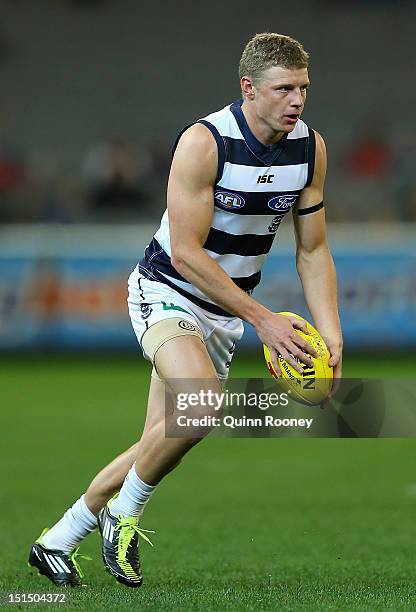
(53, 551)
(110, 479)
(180, 358)
(80, 519)
(57, 545)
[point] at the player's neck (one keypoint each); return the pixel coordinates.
(259, 128)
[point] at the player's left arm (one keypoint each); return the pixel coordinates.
(314, 261)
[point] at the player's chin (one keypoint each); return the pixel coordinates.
(286, 128)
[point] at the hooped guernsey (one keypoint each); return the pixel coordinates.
(255, 187)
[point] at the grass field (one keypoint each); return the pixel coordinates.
(276, 524)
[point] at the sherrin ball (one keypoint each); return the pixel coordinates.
(315, 384)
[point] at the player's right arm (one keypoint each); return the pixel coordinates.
(190, 209)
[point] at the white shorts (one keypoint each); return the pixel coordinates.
(150, 302)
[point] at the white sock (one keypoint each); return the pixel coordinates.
(133, 496)
(74, 526)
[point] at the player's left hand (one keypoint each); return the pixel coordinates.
(335, 361)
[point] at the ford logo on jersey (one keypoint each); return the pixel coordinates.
(282, 202)
(225, 199)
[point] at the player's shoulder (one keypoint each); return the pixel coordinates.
(320, 147)
(196, 155)
(320, 142)
(319, 163)
(196, 140)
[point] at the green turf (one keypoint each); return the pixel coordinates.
(276, 524)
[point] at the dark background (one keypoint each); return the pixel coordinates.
(77, 76)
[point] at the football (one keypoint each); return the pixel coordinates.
(314, 385)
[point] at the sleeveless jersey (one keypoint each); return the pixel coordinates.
(255, 187)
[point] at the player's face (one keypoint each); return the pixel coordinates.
(279, 97)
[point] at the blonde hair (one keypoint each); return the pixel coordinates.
(269, 49)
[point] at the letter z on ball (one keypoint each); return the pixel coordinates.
(314, 385)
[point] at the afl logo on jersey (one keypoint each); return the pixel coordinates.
(282, 202)
(226, 199)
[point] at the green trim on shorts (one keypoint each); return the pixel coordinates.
(172, 306)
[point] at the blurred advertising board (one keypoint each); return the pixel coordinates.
(67, 290)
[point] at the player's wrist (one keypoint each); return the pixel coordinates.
(257, 315)
(334, 337)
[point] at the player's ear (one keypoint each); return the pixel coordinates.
(247, 87)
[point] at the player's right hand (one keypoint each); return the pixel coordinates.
(278, 333)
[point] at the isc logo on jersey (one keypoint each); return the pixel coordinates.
(282, 202)
(226, 199)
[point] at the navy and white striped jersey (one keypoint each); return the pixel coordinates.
(256, 186)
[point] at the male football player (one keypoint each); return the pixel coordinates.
(235, 174)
